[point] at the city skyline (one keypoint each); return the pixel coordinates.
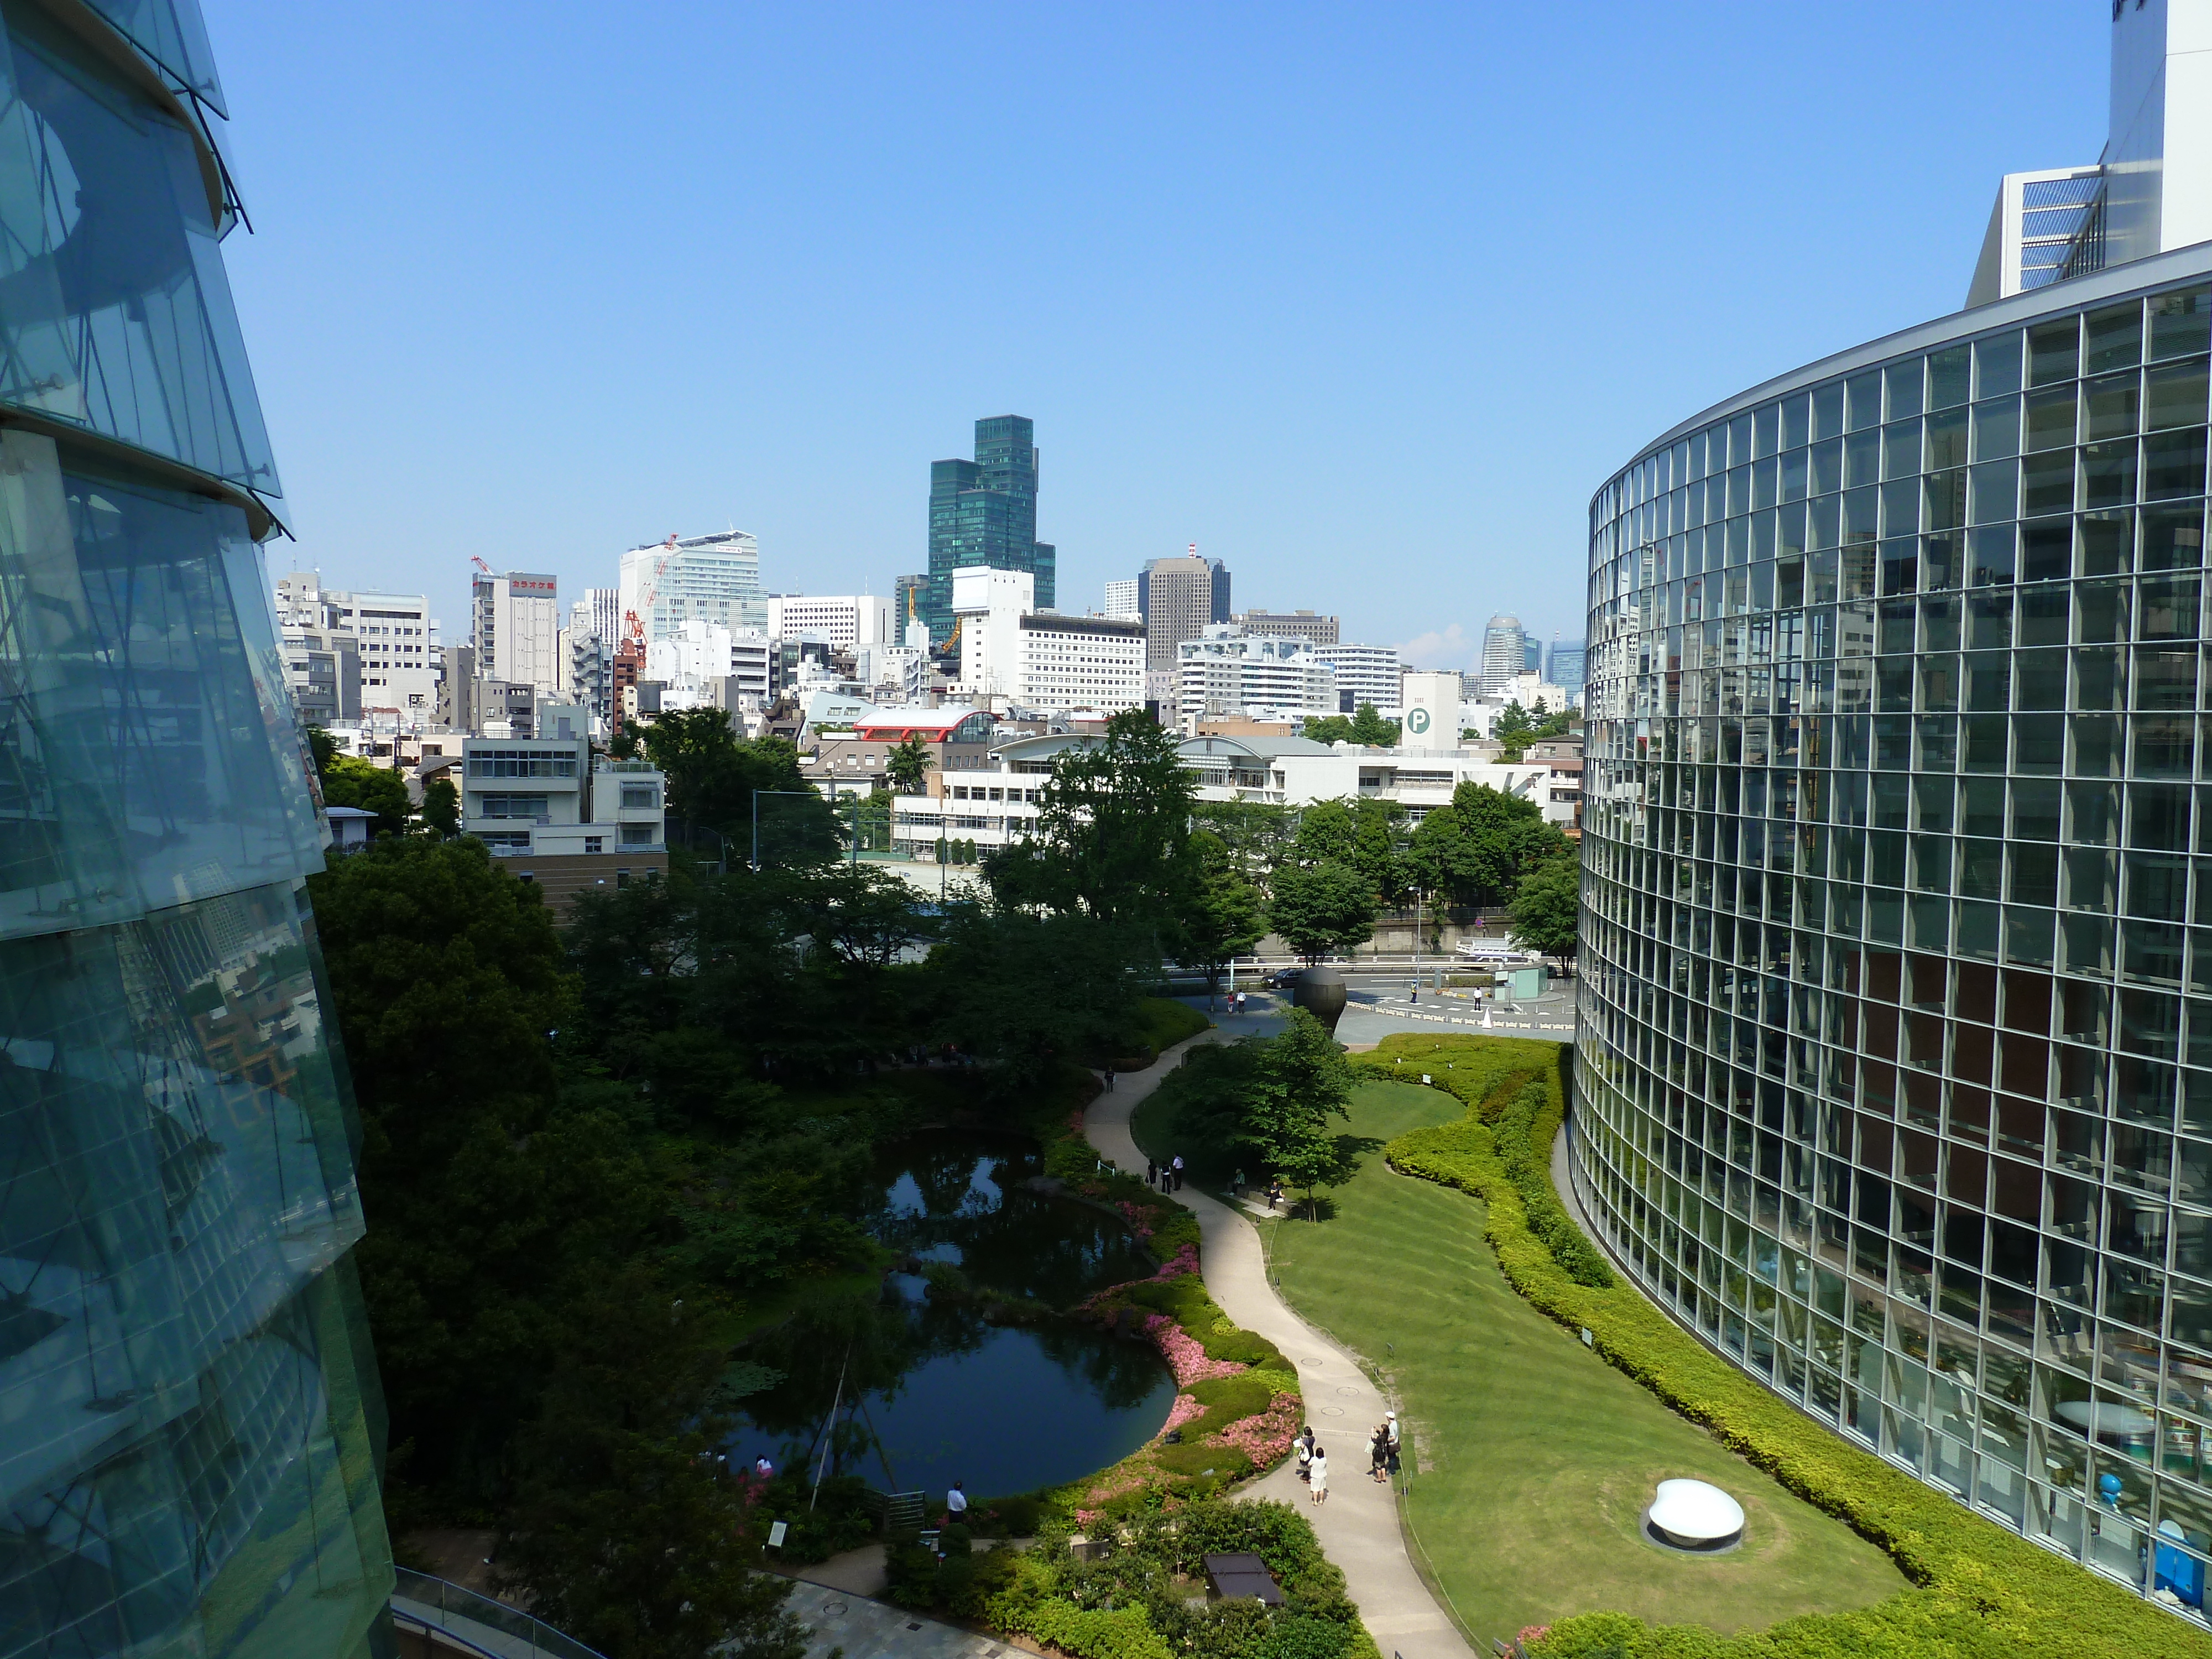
(797, 390)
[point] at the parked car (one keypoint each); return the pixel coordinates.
(1282, 979)
(1493, 958)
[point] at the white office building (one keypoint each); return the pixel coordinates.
(1080, 662)
(1122, 599)
(1226, 673)
(710, 578)
(987, 607)
(1364, 673)
(848, 620)
(539, 797)
(515, 627)
(395, 636)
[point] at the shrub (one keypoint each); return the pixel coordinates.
(1983, 1593)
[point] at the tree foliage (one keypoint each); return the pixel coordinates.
(1476, 850)
(1362, 725)
(713, 776)
(1271, 1099)
(1321, 907)
(1224, 917)
(348, 781)
(906, 766)
(441, 807)
(1547, 908)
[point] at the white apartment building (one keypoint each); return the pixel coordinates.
(395, 635)
(843, 619)
(1226, 673)
(987, 607)
(515, 626)
(1122, 599)
(1364, 673)
(692, 657)
(541, 797)
(710, 578)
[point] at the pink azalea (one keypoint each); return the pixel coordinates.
(1263, 1438)
(1086, 1518)
(1186, 1357)
(1186, 1407)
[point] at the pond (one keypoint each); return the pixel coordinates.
(931, 1392)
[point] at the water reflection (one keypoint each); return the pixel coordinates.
(925, 1391)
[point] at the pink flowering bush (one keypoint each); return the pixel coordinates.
(1185, 1260)
(1119, 1481)
(1137, 1216)
(1186, 1407)
(1265, 1438)
(1185, 1357)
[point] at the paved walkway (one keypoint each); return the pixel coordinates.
(1358, 1525)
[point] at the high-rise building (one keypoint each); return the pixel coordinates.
(395, 636)
(1895, 1071)
(1287, 625)
(848, 619)
(713, 579)
(1121, 599)
(515, 627)
(983, 513)
(908, 594)
(1225, 672)
(1505, 651)
(1179, 600)
(1364, 673)
(190, 1460)
(1562, 667)
(2150, 191)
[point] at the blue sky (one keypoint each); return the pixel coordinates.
(1365, 300)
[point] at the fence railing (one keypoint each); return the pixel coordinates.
(453, 1609)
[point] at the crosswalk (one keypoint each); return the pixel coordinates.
(1472, 1022)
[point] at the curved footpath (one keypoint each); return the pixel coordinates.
(1358, 1525)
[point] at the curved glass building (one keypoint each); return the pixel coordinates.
(188, 1444)
(1897, 1016)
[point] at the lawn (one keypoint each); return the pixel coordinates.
(1533, 1459)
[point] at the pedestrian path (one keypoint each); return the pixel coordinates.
(838, 1620)
(1357, 1526)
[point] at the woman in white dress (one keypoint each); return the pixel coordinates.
(1319, 1476)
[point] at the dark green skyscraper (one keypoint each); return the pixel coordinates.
(984, 512)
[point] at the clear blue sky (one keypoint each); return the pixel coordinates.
(1364, 300)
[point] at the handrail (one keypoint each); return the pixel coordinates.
(455, 1602)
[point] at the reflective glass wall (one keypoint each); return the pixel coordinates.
(1897, 1015)
(188, 1409)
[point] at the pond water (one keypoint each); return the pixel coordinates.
(932, 1392)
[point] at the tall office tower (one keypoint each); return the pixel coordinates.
(711, 579)
(189, 1464)
(1532, 653)
(1563, 666)
(1504, 653)
(1364, 673)
(600, 612)
(1892, 1020)
(2150, 191)
(1179, 599)
(908, 595)
(983, 513)
(515, 627)
(1121, 599)
(1288, 625)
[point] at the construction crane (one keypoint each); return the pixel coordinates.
(480, 564)
(631, 625)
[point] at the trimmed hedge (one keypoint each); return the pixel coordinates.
(1528, 1166)
(1982, 1592)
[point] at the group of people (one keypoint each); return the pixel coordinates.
(1167, 1177)
(1313, 1460)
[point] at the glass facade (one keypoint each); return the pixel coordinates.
(1896, 1020)
(983, 512)
(189, 1426)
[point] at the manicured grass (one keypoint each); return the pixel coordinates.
(1161, 1022)
(1535, 1459)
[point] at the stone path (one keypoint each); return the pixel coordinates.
(1358, 1525)
(838, 1619)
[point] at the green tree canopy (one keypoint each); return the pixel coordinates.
(1271, 1099)
(1320, 908)
(441, 806)
(348, 781)
(1257, 834)
(713, 776)
(906, 766)
(1547, 908)
(1504, 838)
(1223, 917)
(1364, 833)
(1363, 725)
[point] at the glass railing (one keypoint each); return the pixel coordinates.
(453, 1609)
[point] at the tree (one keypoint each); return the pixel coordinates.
(441, 807)
(1321, 907)
(1030, 991)
(1257, 834)
(1271, 1099)
(1547, 909)
(713, 776)
(627, 1532)
(907, 766)
(348, 781)
(1113, 831)
(1223, 917)
(1506, 837)
(1364, 726)
(1363, 833)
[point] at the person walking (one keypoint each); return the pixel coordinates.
(1379, 1454)
(1319, 1478)
(1274, 1191)
(1303, 1446)
(1178, 1172)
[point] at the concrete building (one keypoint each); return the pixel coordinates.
(322, 669)
(1505, 651)
(1225, 672)
(1122, 599)
(1179, 599)
(1288, 625)
(713, 579)
(395, 640)
(515, 627)
(847, 620)
(568, 819)
(1364, 673)
(1070, 663)
(1887, 983)
(987, 606)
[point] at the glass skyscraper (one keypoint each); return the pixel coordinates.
(188, 1406)
(983, 512)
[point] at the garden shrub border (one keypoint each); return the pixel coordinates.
(1979, 1590)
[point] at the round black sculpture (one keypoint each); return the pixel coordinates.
(1320, 991)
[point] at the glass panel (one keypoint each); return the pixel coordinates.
(1996, 365)
(2180, 323)
(2115, 338)
(2054, 351)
